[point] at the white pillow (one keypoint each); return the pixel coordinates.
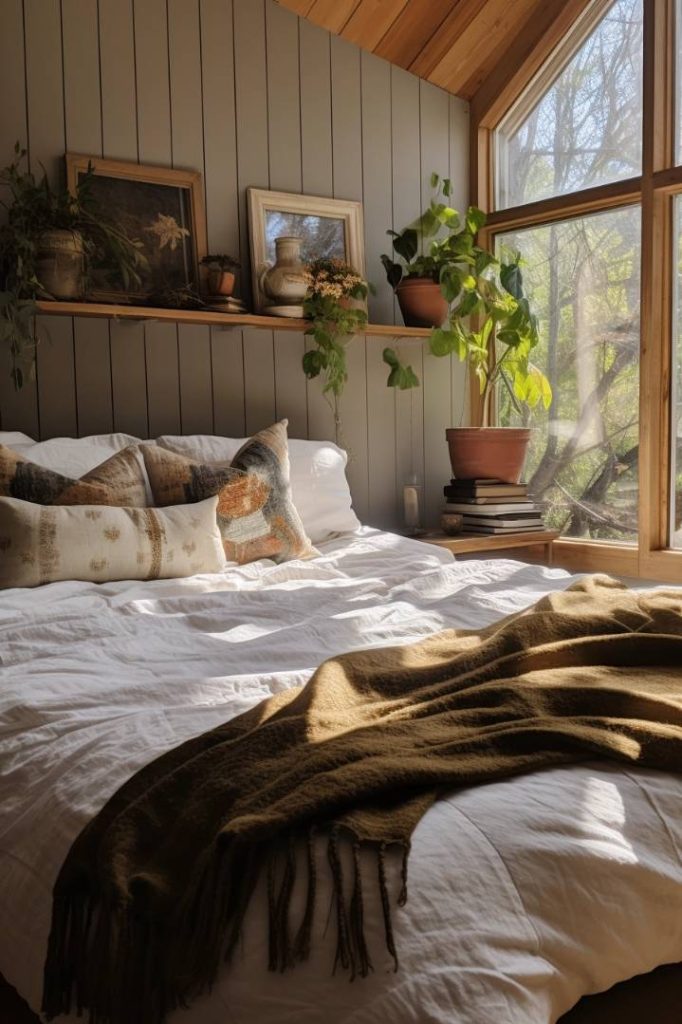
(10, 438)
(319, 487)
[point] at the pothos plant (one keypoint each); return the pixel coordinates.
(490, 323)
(334, 306)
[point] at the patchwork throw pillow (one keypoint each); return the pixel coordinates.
(256, 515)
(45, 543)
(118, 481)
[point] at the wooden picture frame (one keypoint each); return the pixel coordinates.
(174, 242)
(335, 228)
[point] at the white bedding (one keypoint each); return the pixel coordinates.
(524, 894)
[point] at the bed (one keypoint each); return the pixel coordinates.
(525, 894)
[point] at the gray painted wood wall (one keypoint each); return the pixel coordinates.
(251, 95)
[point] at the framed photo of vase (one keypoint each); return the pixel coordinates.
(326, 228)
(160, 208)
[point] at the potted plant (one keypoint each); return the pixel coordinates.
(221, 276)
(415, 275)
(490, 324)
(46, 244)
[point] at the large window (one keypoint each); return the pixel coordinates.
(582, 127)
(582, 277)
(579, 164)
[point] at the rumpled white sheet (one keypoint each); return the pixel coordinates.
(524, 894)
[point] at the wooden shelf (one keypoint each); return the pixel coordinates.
(211, 318)
(462, 543)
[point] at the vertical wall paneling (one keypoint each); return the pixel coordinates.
(184, 55)
(377, 186)
(93, 376)
(259, 379)
(220, 147)
(434, 116)
(83, 112)
(346, 119)
(347, 182)
(152, 76)
(163, 379)
(290, 385)
(118, 79)
(353, 410)
(316, 123)
(194, 358)
(250, 95)
(284, 104)
(252, 112)
(18, 409)
(407, 197)
(129, 378)
(56, 377)
(227, 350)
(45, 86)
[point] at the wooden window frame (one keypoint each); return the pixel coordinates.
(661, 180)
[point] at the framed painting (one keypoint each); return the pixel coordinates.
(327, 228)
(160, 208)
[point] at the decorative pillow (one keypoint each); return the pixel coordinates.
(45, 543)
(256, 515)
(118, 481)
(319, 488)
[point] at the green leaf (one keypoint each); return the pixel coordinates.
(435, 178)
(447, 187)
(407, 244)
(475, 219)
(450, 282)
(512, 279)
(401, 376)
(394, 271)
(442, 341)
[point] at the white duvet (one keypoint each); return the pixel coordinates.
(523, 895)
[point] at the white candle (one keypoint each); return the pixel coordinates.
(411, 505)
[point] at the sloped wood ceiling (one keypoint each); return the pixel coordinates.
(456, 44)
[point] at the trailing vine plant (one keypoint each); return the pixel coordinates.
(335, 307)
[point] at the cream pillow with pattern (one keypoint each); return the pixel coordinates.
(45, 543)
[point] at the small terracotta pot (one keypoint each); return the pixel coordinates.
(220, 282)
(497, 453)
(421, 302)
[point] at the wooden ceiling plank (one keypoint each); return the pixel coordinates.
(371, 20)
(332, 14)
(446, 36)
(525, 55)
(495, 23)
(412, 29)
(301, 7)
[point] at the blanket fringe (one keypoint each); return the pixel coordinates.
(111, 960)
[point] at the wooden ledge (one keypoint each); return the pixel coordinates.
(211, 318)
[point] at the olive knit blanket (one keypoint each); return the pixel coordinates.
(151, 898)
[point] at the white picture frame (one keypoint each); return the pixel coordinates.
(335, 227)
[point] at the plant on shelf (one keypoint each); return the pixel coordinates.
(335, 306)
(221, 273)
(47, 242)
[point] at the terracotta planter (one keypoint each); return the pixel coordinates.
(421, 302)
(497, 453)
(220, 282)
(60, 264)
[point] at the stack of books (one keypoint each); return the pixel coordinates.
(491, 506)
(225, 304)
